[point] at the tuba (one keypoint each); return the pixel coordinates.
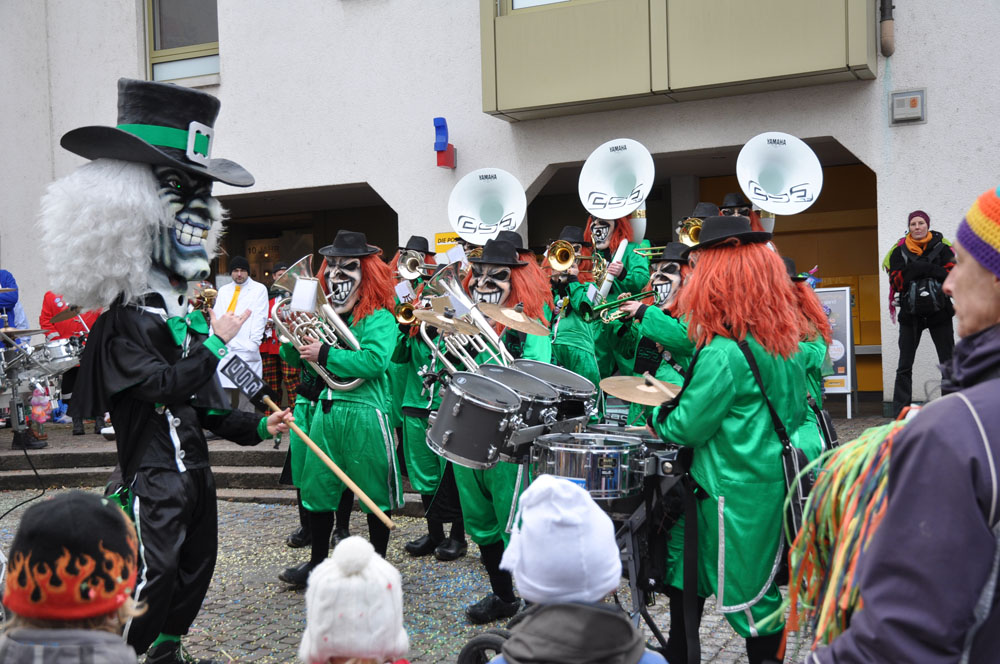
(779, 173)
(322, 322)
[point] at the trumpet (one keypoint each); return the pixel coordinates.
(689, 230)
(611, 311)
(404, 313)
(411, 266)
(324, 325)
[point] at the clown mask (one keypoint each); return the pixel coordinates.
(665, 280)
(600, 232)
(490, 283)
(343, 278)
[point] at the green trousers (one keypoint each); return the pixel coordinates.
(425, 468)
(489, 500)
(357, 437)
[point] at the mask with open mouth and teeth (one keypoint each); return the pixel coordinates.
(343, 276)
(490, 283)
(665, 279)
(600, 231)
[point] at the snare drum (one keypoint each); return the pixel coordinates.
(476, 418)
(57, 356)
(606, 465)
(538, 398)
(577, 395)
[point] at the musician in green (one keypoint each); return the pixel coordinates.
(351, 425)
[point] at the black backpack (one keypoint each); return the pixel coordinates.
(924, 297)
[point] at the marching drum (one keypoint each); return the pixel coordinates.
(577, 395)
(606, 465)
(538, 398)
(476, 418)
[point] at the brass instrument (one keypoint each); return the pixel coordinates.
(202, 299)
(610, 311)
(404, 313)
(689, 230)
(323, 325)
(446, 281)
(561, 255)
(412, 267)
(649, 252)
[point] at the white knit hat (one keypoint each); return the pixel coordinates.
(354, 607)
(565, 548)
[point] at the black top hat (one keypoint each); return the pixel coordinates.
(734, 200)
(348, 243)
(162, 124)
(513, 238)
(672, 251)
(574, 235)
(418, 243)
(238, 263)
(704, 210)
(790, 269)
(499, 252)
(716, 230)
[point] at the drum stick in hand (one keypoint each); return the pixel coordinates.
(362, 496)
(652, 382)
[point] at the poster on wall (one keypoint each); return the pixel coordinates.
(837, 305)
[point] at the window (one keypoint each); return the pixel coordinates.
(183, 38)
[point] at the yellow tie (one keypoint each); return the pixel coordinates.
(232, 302)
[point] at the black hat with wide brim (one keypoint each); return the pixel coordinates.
(161, 124)
(734, 201)
(704, 210)
(418, 243)
(574, 235)
(499, 252)
(793, 274)
(672, 251)
(513, 238)
(716, 230)
(349, 243)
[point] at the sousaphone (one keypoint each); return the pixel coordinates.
(779, 173)
(485, 202)
(615, 181)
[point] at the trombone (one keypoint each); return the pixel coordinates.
(412, 267)
(611, 311)
(562, 256)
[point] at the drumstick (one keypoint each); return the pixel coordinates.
(334, 467)
(652, 382)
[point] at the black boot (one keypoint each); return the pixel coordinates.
(424, 546)
(297, 576)
(78, 426)
(764, 649)
(23, 440)
(172, 652)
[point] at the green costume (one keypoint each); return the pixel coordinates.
(572, 336)
(489, 497)
(351, 427)
(737, 461)
(811, 357)
(633, 279)
(424, 467)
(631, 345)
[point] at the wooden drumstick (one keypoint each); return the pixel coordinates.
(652, 382)
(362, 496)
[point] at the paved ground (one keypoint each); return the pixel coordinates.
(249, 616)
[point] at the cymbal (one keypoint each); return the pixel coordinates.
(66, 314)
(445, 324)
(513, 318)
(634, 390)
(15, 332)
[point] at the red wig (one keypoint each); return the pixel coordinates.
(539, 279)
(816, 319)
(740, 289)
(523, 290)
(622, 231)
(376, 287)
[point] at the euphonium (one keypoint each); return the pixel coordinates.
(689, 231)
(323, 325)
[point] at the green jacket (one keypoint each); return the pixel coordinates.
(669, 332)
(569, 328)
(737, 461)
(636, 273)
(812, 355)
(628, 337)
(533, 346)
(376, 333)
(413, 354)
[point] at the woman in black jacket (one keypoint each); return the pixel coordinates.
(918, 267)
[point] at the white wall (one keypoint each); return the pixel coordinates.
(323, 92)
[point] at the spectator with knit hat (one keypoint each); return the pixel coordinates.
(354, 609)
(565, 560)
(71, 572)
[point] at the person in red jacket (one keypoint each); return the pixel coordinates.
(76, 327)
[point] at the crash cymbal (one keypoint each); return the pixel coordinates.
(513, 318)
(635, 390)
(444, 323)
(71, 312)
(15, 332)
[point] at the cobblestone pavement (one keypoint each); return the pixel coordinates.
(249, 616)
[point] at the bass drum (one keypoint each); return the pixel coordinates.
(577, 395)
(475, 420)
(538, 398)
(606, 465)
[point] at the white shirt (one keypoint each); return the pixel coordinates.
(246, 343)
